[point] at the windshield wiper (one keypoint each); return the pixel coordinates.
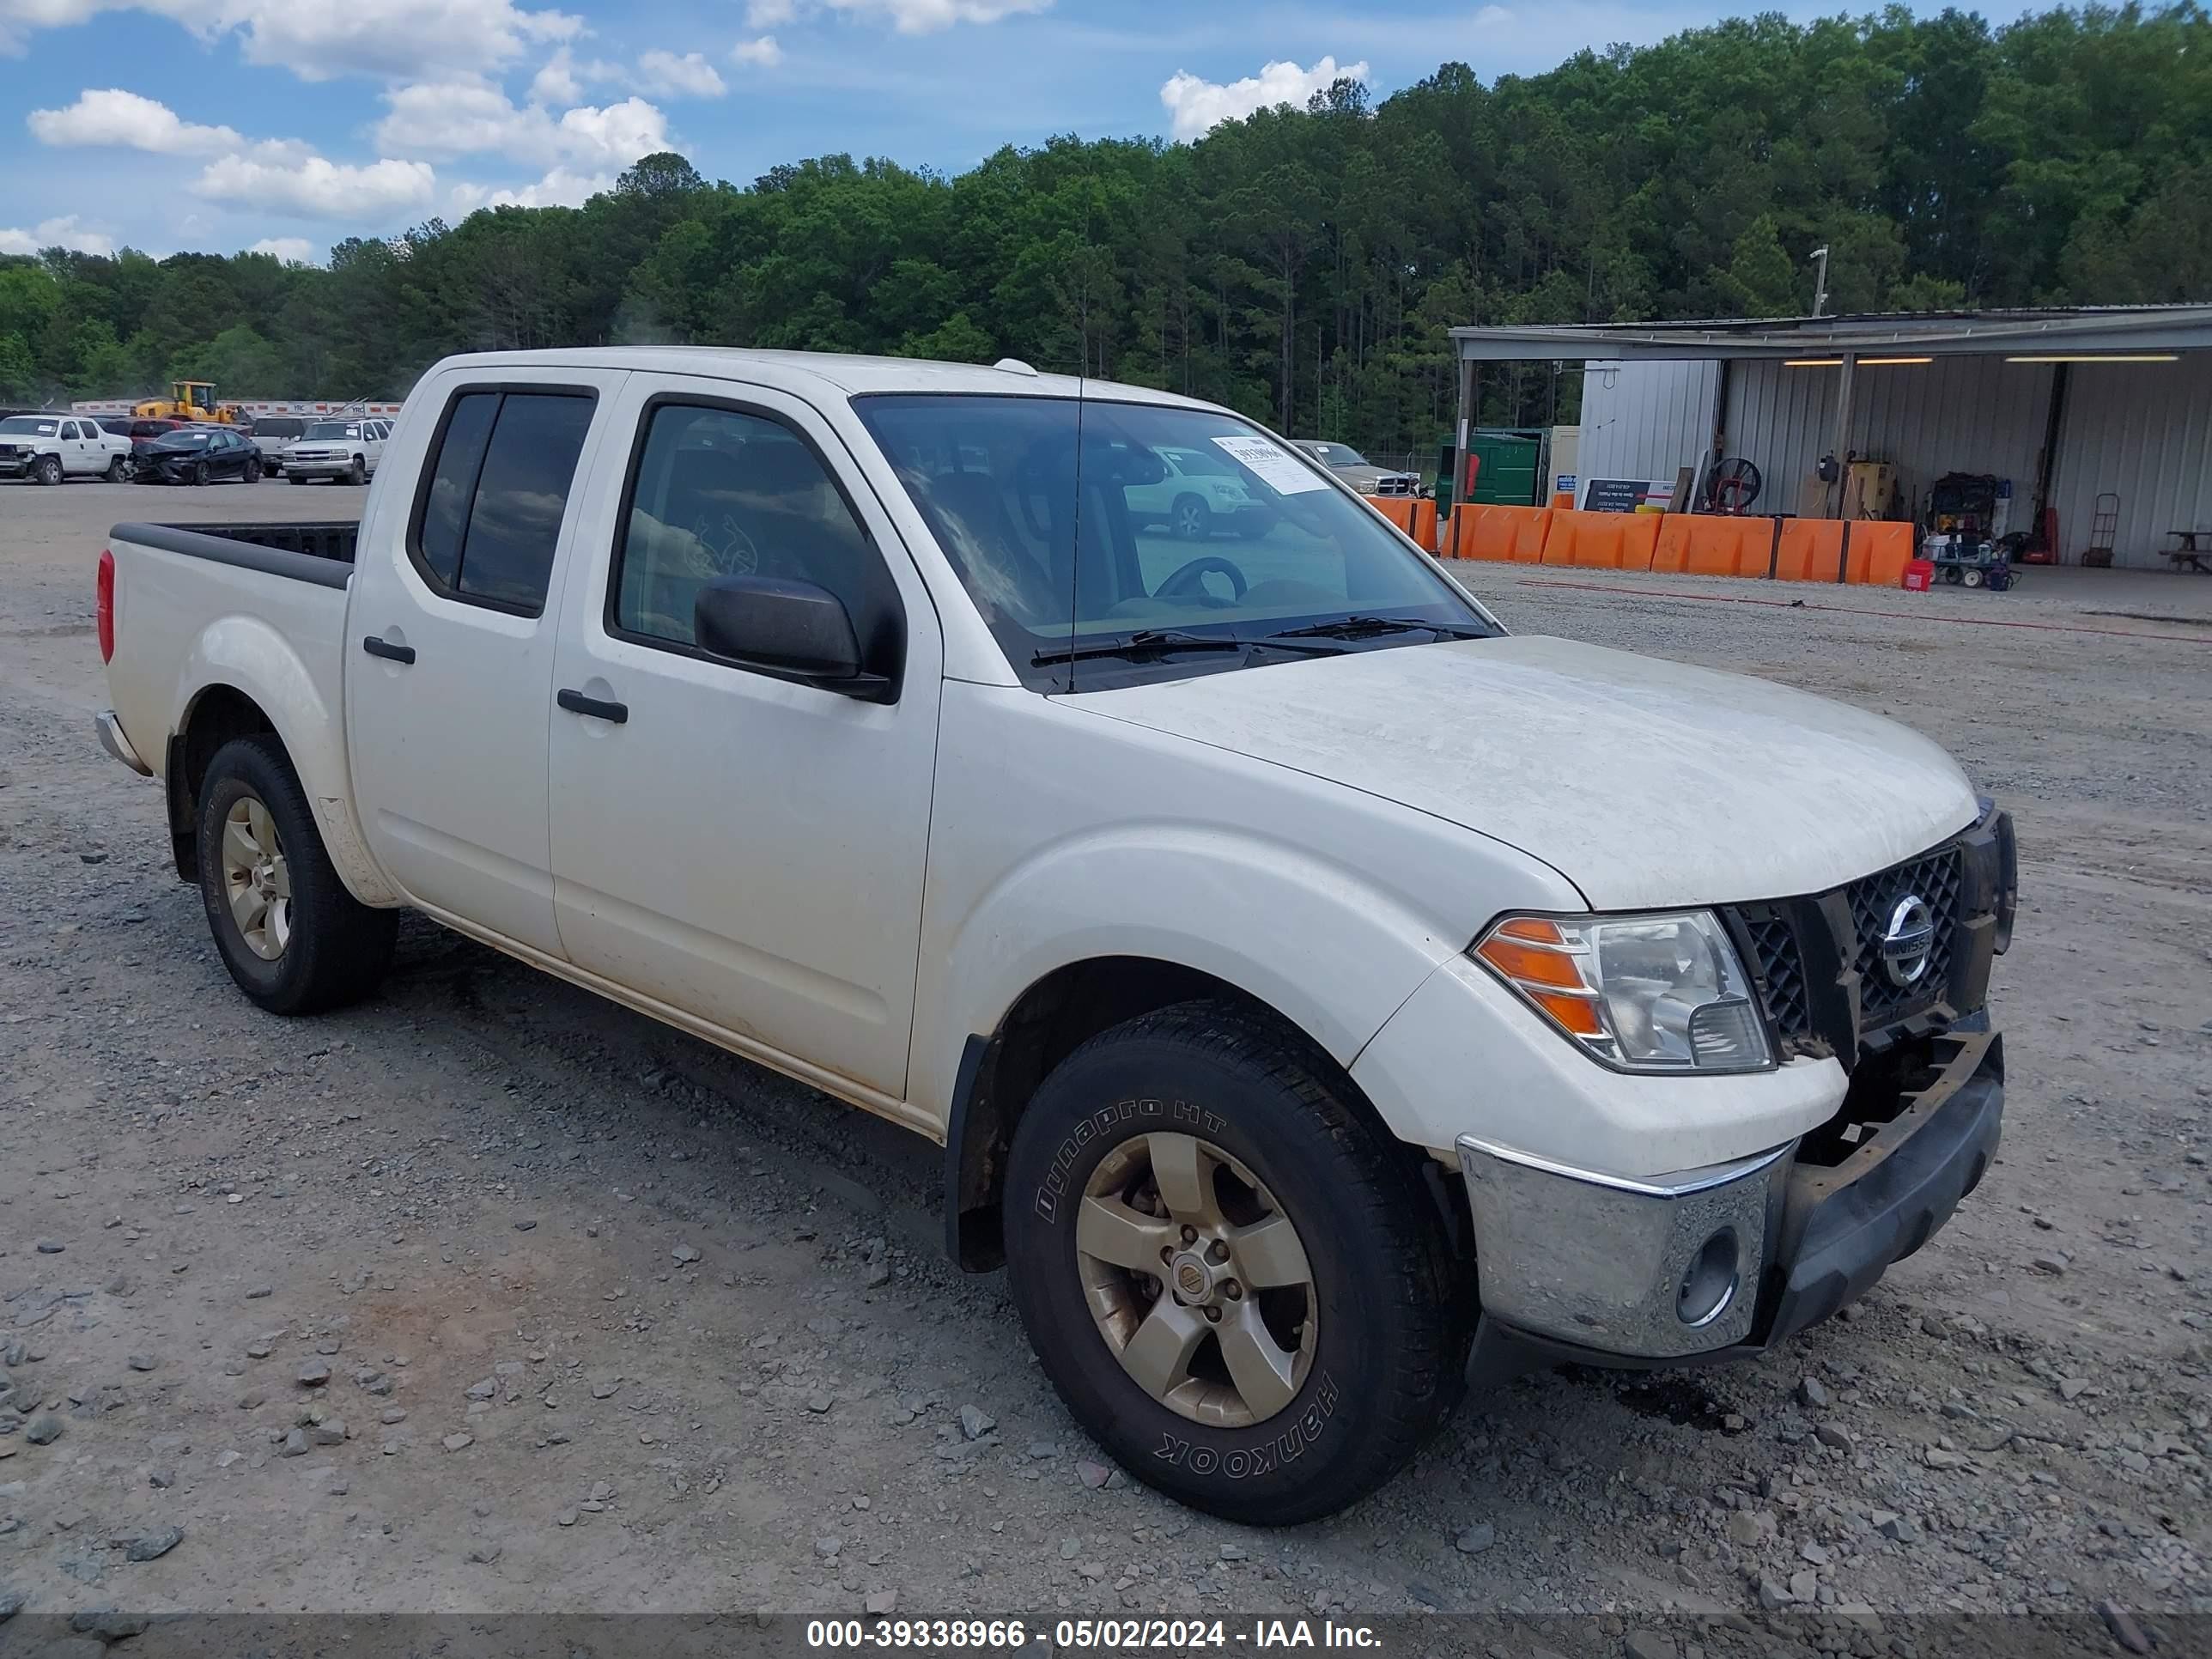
(1360, 628)
(1144, 642)
(1152, 642)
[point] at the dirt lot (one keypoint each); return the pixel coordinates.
(611, 1320)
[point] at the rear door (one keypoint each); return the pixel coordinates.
(80, 454)
(744, 847)
(450, 641)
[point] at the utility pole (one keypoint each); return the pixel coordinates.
(1819, 281)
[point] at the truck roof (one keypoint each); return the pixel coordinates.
(848, 374)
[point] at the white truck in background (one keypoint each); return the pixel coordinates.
(49, 449)
(1323, 996)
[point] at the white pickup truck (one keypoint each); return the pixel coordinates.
(1323, 996)
(53, 448)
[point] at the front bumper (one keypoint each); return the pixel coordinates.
(1724, 1261)
(331, 468)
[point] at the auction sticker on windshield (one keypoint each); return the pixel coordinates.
(1281, 474)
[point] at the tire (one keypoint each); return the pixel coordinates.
(295, 477)
(1374, 1342)
(330, 948)
(200, 474)
(47, 469)
(253, 469)
(1191, 519)
(1251, 529)
(357, 474)
(118, 469)
(1971, 577)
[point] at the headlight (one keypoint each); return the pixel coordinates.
(1643, 992)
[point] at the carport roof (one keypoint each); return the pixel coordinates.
(2083, 331)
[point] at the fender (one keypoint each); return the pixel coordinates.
(248, 655)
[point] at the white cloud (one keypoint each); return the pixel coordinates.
(689, 77)
(317, 188)
(1198, 106)
(907, 17)
(292, 250)
(556, 82)
(56, 232)
(764, 53)
(559, 188)
(1491, 15)
(472, 118)
(114, 117)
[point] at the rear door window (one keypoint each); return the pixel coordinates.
(488, 517)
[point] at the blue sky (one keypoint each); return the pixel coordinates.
(286, 125)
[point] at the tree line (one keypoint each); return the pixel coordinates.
(1304, 265)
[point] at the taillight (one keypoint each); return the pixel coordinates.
(107, 607)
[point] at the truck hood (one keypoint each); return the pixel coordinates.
(1646, 783)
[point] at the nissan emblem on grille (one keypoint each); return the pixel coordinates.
(1908, 941)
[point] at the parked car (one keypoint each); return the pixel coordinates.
(272, 435)
(53, 447)
(1354, 468)
(134, 427)
(196, 455)
(345, 451)
(1201, 493)
(1292, 963)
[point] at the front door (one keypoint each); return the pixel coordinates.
(745, 848)
(449, 643)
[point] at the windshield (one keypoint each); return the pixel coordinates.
(277, 426)
(1337, 454)
(30, 426)
(1168, 542)
(333, 429)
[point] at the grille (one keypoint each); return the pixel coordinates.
(1781, 974)
(1937, 877)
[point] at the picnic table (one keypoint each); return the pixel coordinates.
(2190, 549)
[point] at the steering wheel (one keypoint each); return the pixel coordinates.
(1183, 583)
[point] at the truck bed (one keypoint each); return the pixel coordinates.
(320, 553)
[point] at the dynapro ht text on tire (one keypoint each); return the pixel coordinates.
(1236, 1281)
(293, 937)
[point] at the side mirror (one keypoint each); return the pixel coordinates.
(798, 629)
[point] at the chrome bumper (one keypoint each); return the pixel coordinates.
(1652, 1268)
(1731, 1259)
(118, 747)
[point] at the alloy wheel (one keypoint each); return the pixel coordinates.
(1196, 1279)
(256, 879)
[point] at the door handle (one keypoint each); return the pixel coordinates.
(381, 648)
(577, 703)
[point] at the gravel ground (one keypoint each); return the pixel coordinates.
(488, 1296)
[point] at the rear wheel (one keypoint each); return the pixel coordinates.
(295, 940)
(253, 469)
(1236, 1281)
(118, 469)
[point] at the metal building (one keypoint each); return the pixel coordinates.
(2068, 404)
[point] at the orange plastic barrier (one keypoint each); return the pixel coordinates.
(1709, 546)
(1602, 541)
(1878, 553)
(1811, 551)
(1491, 531)
(1424, 524)
(1398, 509)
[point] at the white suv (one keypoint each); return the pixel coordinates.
(343, 451)
(53, 447)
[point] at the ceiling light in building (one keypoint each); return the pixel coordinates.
(1812, 362)
(1892, 363)
(2102, 357)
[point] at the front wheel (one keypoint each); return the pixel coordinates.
(1235, 1280)
(1191, 519)
(297, 478)
(358, 473)
(200, 472)
(47, 469)
(294, 940)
